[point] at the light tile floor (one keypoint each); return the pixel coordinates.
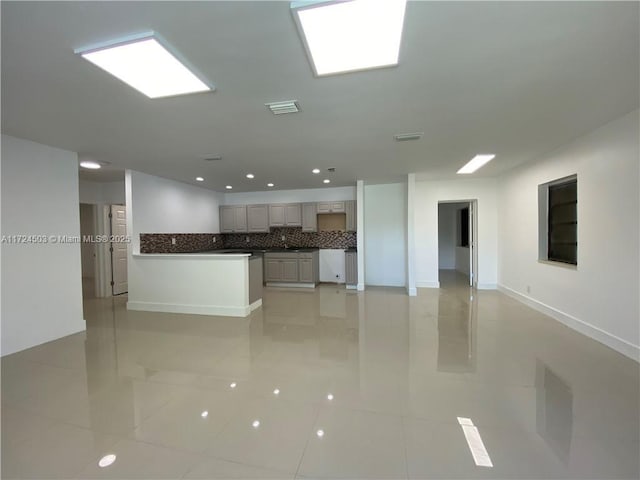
(383, 376)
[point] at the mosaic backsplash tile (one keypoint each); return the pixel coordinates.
(200, 242)
(185, 242)
(294, 237)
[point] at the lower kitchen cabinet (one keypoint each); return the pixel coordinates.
(351, 268)
(292, 267)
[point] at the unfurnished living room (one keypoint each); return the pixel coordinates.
(364, 239)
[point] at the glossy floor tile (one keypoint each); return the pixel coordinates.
(324, 383)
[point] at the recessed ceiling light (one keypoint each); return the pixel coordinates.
(233, 385)
(476, 162)
(350, 36)
(143, 63)
(255, 424)
(250, 175)
(106, 460)
(90, 164)
(326, 180)
(269, 185)
(330, 396)
(228, 187)
(315, 170)
(320, 433)
(276, 391)
(204, 414)
(199, 179)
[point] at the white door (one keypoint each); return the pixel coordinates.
(473, 251)
(119, 250)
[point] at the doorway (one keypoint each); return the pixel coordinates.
(104, 263)
(457, 248)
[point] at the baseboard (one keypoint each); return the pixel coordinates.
(595, 333)
(428, 284)
(360, 287)
(255, 305)
(191, 309)
(487, 286)
(351, 287)
(412, 292)
(290, 284)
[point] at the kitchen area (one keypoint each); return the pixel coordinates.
(296, 245)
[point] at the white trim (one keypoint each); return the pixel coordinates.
(595, 333)
(351, 287)
(360, 287)
(412, 292)
(192, 309)
(255, 305)
(291, 284)
(428, 284)
(487, 286)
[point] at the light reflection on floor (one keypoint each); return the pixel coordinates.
(383, 377)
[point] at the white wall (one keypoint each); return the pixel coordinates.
(462, 259)
(158, 205)
(109, 193)
(428, 194)
(385, 230)
(600, 296)
(447, 235)
(291, 196)
(41, 282)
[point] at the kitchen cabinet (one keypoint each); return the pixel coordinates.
(351, 268)
(258, 218)
(233, 219)
(285, 215)
(292, 267)
(331, 207)
(352, 221)
(309, 217)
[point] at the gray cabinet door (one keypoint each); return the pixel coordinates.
(276, 215)
(272, 270)
(240, 213)
(324, 207)
(289, 270)
(309, 217)
(337, 207)
(258, 218)
(227, 219)
(351, 268)
(351, 221)
(292, 215)
(305, 266)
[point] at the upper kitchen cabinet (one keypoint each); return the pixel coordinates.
(285, 215)
(309, 217)
(352, 220)
(258, 218)
(233, 219)
(331, 207)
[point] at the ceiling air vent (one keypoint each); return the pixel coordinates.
(211, 158)
(404, 137)
(279, 108)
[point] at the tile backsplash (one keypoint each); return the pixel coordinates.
(293, 237)
(185, 242)
(199, 242)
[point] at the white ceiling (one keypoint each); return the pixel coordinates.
(511, 78)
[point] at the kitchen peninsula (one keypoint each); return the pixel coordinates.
(205, 283)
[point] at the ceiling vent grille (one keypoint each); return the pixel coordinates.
(280, 108)
(404, 137)
(211, 158)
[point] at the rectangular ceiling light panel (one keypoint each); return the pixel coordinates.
(147, 66)
(347, 36)
(476, 162)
